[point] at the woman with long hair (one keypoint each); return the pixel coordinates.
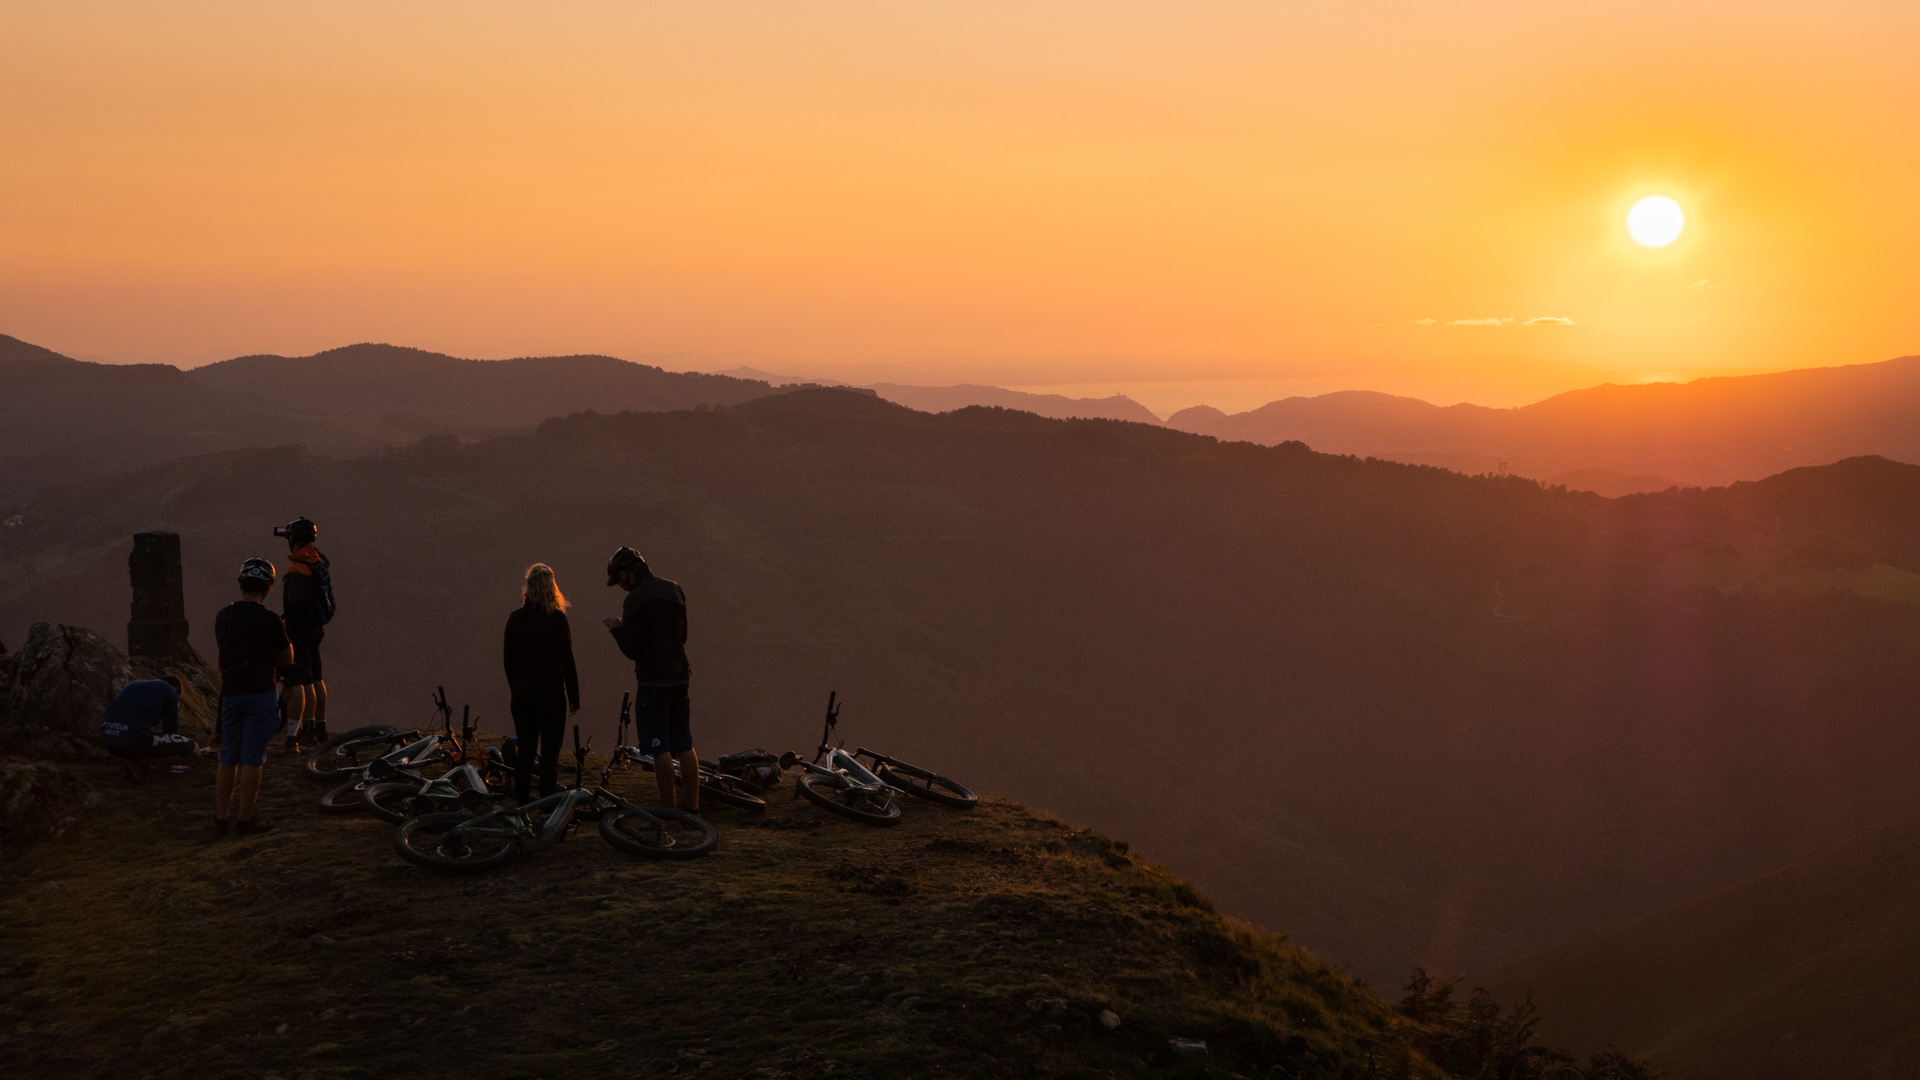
(542, 678)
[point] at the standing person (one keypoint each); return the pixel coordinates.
(143, 724)
(253, 646)
(652, 632)
(307, 603)
(542, 678)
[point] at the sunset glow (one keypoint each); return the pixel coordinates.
(1022, 194)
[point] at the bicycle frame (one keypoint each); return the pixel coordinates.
(559, 807)
(449, 782)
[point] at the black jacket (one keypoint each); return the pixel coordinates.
(539, 652)
(653, 631)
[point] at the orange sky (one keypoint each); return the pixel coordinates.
(1096, 195)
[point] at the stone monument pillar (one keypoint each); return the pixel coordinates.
(159, 624)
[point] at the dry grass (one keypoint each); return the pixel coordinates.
(956, 944)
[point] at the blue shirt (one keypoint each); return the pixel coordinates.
(142, 706)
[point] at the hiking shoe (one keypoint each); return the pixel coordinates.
(251, 825)
(219, 828)
(293, 745)
(320, 732)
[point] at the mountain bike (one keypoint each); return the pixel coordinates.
(352, 750)
(847, 787)
(473, 843)
(461, 789)
(719, 785)
(401, 764)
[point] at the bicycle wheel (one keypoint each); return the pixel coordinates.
(675, 834)
(345, 799)
(350, 750)
(452, 842)
(923, 784)
(834, 793)
(731, 790)
(396, 800)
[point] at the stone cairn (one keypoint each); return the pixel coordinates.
(158, 627)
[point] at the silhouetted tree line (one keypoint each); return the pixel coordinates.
(1478, 1039)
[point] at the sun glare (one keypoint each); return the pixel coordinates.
(1655, 221)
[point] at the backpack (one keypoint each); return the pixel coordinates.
(323, 590)
(758, 769)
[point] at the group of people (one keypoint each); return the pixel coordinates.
(271, 679)
(651, 630)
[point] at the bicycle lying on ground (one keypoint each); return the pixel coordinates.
(734, 779)
(402, 764)
(845, 786)
(461, 789)
(350, 751)
(472, 843)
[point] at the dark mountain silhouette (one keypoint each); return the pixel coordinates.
(949, 398)
(1414, 716)
(471, 393)
(1811, 970)
(1058, 406)
(63, 419)
(1710, 431)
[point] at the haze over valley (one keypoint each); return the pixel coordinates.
(1420, 717)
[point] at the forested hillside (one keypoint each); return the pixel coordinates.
(1411, 715)
(1808, 970)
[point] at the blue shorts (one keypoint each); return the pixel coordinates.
(662, 718)
(248, 723)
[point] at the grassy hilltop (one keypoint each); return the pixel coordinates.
(955, 944)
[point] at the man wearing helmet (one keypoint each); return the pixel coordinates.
(306, 601)
(253, 648)
(652, 632)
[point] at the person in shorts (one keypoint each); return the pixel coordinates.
(143, 725)
(253, 648)
(652, 632)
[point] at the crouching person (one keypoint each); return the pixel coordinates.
(142, 726)
(253, 648)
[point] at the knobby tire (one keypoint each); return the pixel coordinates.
(833, 793)
(687, 836)
(348, 751)
(430, 841)
(345, 799)
(395, 801)
(922, 784)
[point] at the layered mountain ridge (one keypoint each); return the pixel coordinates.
(1625, 438)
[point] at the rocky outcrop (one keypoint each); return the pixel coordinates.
(39, 800)
(54, 691)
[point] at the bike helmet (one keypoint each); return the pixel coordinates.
(299, 532)
(623, 560)
(256, 575)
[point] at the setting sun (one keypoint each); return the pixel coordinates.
(1655, 221)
